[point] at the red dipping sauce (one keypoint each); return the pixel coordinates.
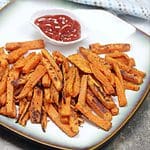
(59, 27)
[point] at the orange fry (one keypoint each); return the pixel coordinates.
(35, 44)
(120, 93)
(109, 48)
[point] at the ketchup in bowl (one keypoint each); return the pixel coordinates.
(59, 27)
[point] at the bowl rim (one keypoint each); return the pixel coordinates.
(55, 11)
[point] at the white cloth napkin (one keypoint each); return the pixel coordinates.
(138, 8)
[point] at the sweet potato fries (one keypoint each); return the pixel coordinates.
(64, 89)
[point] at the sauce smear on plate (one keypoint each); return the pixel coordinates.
(59, 27)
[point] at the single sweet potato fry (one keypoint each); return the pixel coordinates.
(10, 105)
(80, 62)
(16, 54)
(36, 105)
(70, 81)
(118, 72)
(76, 85)
(31, 64)
(47, 55)
(83, 90)
(114, 111)
(109, 48)
(130, 86)
(120, 93)
(52, 74)
(35, 44)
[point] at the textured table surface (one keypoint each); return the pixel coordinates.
(135, 135)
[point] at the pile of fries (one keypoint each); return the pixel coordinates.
(68, 90)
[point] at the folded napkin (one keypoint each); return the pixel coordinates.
(138, 8)
(3, 3)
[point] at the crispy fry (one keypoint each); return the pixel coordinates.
(118, 72)
(131, 77)
(16, 54)
(3, 82)
(83, 90)
(52, 74)
(130, 86)
(76, 85)
(120, 93)
(80, 62)
(109, 48)
(115, 111)
(98, 108)
(20, 62)
(33, 80)
(31, 64)
(53, 63)
(10, 105)
(35, 44)
(46, 81)
(36, 105)
(70, 81)
(54, 115)
(86, 111)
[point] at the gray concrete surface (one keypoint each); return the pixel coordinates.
(134, 136)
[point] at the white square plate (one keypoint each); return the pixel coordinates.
(102, 27)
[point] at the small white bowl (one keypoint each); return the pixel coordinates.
(58, 11)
